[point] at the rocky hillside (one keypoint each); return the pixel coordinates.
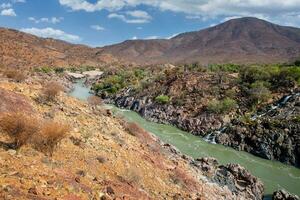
(245, 40)
(25, 50)
(203, 101)
(103, 157)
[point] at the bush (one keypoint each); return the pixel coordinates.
(51, 90)
(232, 68)
(16, 75)
(50, 134)
(297, 63)
(59, 70)
(259, 92)
(45, 70)
(24, 129)
(133, 129)
(222, 106)
(163, 99)
(94, 101)
(19, 126)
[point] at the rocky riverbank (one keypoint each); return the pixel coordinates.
(110, 163)
(273, 134)
(168, 114)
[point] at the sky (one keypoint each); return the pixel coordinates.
(103, 22)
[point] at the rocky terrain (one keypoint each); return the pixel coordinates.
(241, 41)
(273, 136)
(102, 158)
(245, 40)
(20, 49)
(204, 102)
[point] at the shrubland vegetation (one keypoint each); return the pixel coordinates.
(25, 129)
(222, 106)
(121, 79)
(15, 74)
(247, 87)
(51, 90)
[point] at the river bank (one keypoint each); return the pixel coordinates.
(273, 136)
(273, 174)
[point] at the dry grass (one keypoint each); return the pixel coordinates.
(50, 134)
(51, 90)
(94, 101)
(134, 129)
(15, 75)
(19, 127)
(24, 129)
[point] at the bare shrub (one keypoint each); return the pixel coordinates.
(16, 75)
(50, 134)
(24, 129)
(133, 129)
(94, 101)
(51, 90)
(19, 127)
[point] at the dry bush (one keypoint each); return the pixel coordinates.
(94, 101)
(134, 129)
(50, 134)
(24, 129)
(19, 127)
(51, 90)
(16, 75)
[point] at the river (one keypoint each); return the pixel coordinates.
(275, 175)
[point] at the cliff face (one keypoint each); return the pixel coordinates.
(99, 158)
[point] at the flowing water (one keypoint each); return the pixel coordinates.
(274, 175)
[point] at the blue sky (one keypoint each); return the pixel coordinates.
(104, 22)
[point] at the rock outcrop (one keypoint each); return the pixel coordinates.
(284, 195)
(233, 176)
(274, 135)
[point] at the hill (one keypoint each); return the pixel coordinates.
(22, 49)
(244, 40)
(241, 41)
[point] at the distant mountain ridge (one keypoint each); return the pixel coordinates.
(242, 41)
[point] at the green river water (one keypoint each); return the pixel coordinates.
(274, 175)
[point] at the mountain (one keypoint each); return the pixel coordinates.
(243, 40)
(22, 49)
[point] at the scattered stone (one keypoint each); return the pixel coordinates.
(110, 190)
(12, 152)
(33, 191)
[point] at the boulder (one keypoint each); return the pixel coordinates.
(284, 195)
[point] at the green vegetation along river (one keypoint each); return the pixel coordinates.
(274, 175)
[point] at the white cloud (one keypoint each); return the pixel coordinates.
(152, 37)
(5, 5)
(132, 17)
(134, 38)
(8, 12)
(139, 28)
(203, 9)
(52, 20)
(139, 14)
(97, 28)
(52, 33)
